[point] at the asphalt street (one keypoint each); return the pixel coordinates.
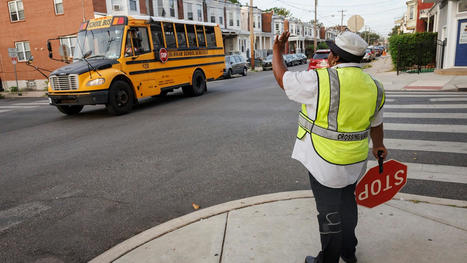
(71, 187)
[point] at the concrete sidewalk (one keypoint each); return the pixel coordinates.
(283, 228)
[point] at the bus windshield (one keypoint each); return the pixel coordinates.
(103, 43)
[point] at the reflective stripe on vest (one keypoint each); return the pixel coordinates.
(344, 112)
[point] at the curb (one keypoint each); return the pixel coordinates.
(155, 232)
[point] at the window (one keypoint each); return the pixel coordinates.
(200, 13)
(140, 39)
(157, 37)
(200, 33)
(411, 12)
(189, 7)
(238, 22)
(211, 36)
(160, 8)
(231, 20)
(221, 16)
(24, 51)
(16, 10)
(277, 27)
(169, 35)
(462, 6)
(58, 4)
(133, 6)
(181, 37)
(213, 19)
(190, 30)
(172, 8)
(69, 44)
(212, 14)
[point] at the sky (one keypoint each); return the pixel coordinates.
(378, 15)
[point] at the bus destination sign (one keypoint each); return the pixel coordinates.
(99, 23)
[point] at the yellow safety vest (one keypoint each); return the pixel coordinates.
(348, 100)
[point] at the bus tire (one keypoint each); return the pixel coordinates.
(198, 86)
(70, 109)
(229, 73)
(245, 71)
(121, 98)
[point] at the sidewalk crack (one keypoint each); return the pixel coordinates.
(223, 238)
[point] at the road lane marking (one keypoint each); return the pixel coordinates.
(425, 115)
(450, 128)
(426, 106)
(389, 100)
(1, 111)
(429, 146)
(449, 99)
(442, 173)
(18, 107)
(426, 93)
(31, 104)
(421, 96)
(18, 214)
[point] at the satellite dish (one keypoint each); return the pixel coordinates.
(355, 23)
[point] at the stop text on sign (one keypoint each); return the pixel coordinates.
(376, 185)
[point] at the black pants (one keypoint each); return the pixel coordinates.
(337, 219)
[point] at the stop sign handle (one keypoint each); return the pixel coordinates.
(380, 161)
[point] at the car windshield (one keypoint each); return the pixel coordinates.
(103, 43)
(321, 56)
(269, 57)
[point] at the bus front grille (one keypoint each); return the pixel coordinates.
(66, 82)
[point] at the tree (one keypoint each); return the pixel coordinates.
(312, 21)
(370, 37)
(395, 30)
(279, 11)
(234, 1)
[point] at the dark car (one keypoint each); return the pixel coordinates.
(302, 58)
(235, 64)
(289, 60)
(267, 63)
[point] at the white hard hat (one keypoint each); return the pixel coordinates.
(349, 46)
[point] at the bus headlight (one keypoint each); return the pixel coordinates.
(96, 82)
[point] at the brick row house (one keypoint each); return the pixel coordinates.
(27, 24)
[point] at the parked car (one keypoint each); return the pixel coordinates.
(289, 60)
(320, 59)
(235, 64)
(369, 55)
(302, 57)
(267, 63)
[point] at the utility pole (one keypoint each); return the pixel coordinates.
(252, 38)
(316, 26)
(342, 19)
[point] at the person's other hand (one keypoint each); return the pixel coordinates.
(280, 41)
(380, 148)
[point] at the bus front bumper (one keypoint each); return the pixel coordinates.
(83, 98)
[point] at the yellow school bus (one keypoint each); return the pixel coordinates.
(118, 60)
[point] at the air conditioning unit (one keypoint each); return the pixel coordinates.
(117, 7)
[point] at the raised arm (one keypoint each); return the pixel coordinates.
(278, 66)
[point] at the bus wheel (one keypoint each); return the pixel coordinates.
(245, 70)
(70, 109)
(120, 98)
(229, 73)
(199, 85)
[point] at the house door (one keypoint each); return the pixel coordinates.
(461, 45)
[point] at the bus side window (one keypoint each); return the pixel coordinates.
(201, 39)
(170, 35)
(141, 41)
(157, 37)
(190, 29)
(210, 36)
(181, 37)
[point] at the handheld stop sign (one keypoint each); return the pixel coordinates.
(381, 183)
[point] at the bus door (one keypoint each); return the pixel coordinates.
(138, 60)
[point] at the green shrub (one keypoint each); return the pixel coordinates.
(14, 89)
(410, 50)
(1, 96)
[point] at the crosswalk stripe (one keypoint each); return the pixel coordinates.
(422, 96)
(18, 107)
(426, 93)
(31, 104)
(430, 146)
(443, 173)
(426, 106)
(390, 100)
(449, 99)
(4, 111)
(451, 128)
(425, 115)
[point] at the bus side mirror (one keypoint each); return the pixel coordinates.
(49, 48)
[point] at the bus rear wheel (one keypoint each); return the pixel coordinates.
(198, 86)
(70, 109)
(120, 98)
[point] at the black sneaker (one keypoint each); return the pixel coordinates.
(351, 259)
(310, 259)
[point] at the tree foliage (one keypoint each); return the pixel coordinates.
(279, 11)
(395, 30)
(370, 37)
(234, 1)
